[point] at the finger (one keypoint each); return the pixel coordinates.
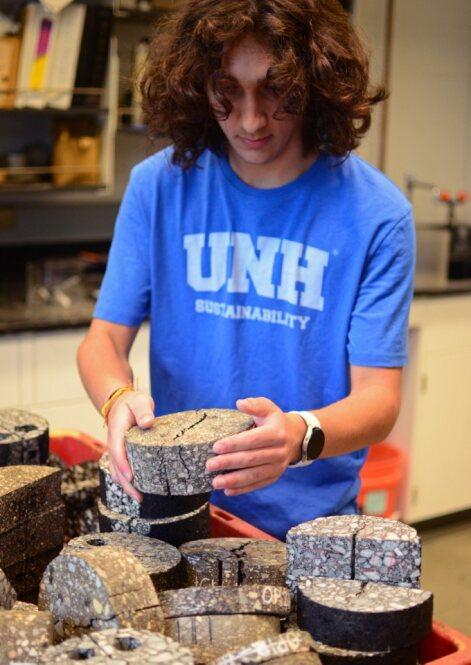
(258, 407)
(246, 477)
(243, 460)
(141, 406)
(258, 437)
(128, 487)
(121, 480)
(117, 450)
(112, 469)
(251, 488)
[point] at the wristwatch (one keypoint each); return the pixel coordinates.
(313, 442)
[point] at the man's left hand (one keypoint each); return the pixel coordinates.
(260, 455)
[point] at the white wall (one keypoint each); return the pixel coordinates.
(429, 117)
(369, 18)
(430, 109)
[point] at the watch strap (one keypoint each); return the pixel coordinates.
(311, 422)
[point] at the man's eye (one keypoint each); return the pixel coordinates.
(228, 90)
(270, 91)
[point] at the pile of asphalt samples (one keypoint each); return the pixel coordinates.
(355, 584)
(24, 438)
(168, 462)
(99, 588)
(31, 524)
(80, 488)
(217, 619)
(237, 609)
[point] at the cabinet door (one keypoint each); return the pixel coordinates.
(441, 465)
(10, 380)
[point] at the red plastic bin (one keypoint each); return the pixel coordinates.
(444, 645)
(75, 447)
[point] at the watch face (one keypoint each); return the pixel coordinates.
(315, 444)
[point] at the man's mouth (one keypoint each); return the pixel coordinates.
(255, 143)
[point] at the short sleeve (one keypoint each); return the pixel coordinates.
(378, 333)
(125, 290)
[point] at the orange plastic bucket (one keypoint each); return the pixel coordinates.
(380, 480)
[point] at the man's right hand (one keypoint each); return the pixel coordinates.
(132, 408)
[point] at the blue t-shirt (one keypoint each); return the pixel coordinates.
(264, 292)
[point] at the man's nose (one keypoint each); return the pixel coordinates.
(253, 116)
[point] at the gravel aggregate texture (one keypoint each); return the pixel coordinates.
(170, 457)
(121, 646)
(20, 606)
(335, 656)
(174, 530)
(363, 616)
(249, 599)
(24, 635)
(221, 632)
(301, 658)
(44, 531)
(24, 438)
(152, 506)
(354, 547)
(7, 592)
(234, 561)
(161, 560)
(103, 588)
(264, 651)
(26, 491)
(25, 575)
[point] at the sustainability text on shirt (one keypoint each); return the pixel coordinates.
(254, 264)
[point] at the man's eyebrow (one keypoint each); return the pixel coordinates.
(263, 79)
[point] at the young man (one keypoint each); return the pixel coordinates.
(275, 265)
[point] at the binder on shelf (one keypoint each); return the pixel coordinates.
(49, 56)
(45, 33)
(93, 57)
(37, 46)
(65, 56)
(9, 55)
(29, 38)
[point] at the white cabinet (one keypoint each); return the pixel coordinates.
(441, 471)
(434, 428)
(39, 373)
(10, 385)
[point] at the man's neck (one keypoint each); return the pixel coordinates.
(271, 175)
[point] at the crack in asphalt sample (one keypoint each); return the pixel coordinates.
(234, 561)
(169, 458)
(354, 547)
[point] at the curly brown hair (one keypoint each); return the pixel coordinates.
(320, 70)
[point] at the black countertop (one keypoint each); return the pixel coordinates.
(452, 288)
(18, 317)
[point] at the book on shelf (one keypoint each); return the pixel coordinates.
(9, 54)
(60, 52)
(66, 55)
(93, 57)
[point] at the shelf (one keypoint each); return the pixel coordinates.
(47, 95)
(137, 16)
(42, 187)
(73, 111)
(133, 129)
